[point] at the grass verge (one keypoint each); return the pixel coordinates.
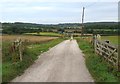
(95, 64)
(11, 70)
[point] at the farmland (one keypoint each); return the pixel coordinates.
(32, 39)
(40, 38)
(35, 46)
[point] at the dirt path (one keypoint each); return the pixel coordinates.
(62, 63)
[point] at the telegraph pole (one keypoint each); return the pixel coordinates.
(82, 32)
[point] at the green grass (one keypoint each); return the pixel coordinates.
(45, 34)
(95, 64)
(11, 70)
(112, 39)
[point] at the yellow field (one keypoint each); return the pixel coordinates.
(32, 39)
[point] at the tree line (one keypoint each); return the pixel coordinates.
(93, 28)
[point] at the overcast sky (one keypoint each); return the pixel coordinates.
(58, 11)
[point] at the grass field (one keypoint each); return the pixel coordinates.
(45, 34)
(112, 39)
(36, 46)
(96, 65)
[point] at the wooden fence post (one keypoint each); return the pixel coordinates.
(20, 49)
(95, 43)
(118, 57)
(17, 48)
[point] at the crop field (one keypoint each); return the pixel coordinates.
(112, 39)
(33, 39)
(45, 34)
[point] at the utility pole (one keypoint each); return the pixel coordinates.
(82, 32)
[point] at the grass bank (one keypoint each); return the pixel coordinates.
(11, 70)
(95, 64)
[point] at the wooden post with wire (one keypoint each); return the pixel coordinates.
(82, 32)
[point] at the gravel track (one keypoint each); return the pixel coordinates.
(62, 63)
